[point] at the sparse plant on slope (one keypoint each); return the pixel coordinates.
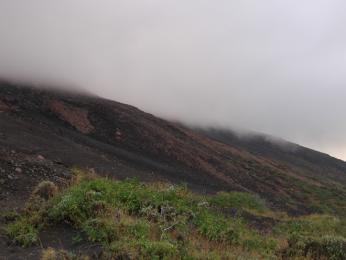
(239, 201)
(53, 254)
(325, 247)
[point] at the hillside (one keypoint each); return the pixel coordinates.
(312, 164)
(121, 141)
(45, 134)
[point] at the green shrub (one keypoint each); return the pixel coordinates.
(26, 227)
(100, 230)
(158, 250)
(155, 221)
(23, 232)
(238, 201)
(144, 249)
(215, 227)
(138, 229)
(327, 246)
(118, 213)
(330, 247)
(264, 245)
(54, 254)
(314, 225)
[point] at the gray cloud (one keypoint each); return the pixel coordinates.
(275, 66)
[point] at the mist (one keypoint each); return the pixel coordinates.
(274, 66)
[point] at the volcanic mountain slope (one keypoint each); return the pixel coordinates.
(118, 140)
(312, 164)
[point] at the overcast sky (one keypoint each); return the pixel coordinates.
(274, 66)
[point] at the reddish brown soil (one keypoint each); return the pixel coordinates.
(74, 116)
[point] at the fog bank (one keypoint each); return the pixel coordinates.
(274, 66)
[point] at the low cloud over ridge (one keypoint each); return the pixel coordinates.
(275, 66)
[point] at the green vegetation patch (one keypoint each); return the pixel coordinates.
(314, 225)
(132, 220)
(325, 247)
(315, 236)
(238, 200)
